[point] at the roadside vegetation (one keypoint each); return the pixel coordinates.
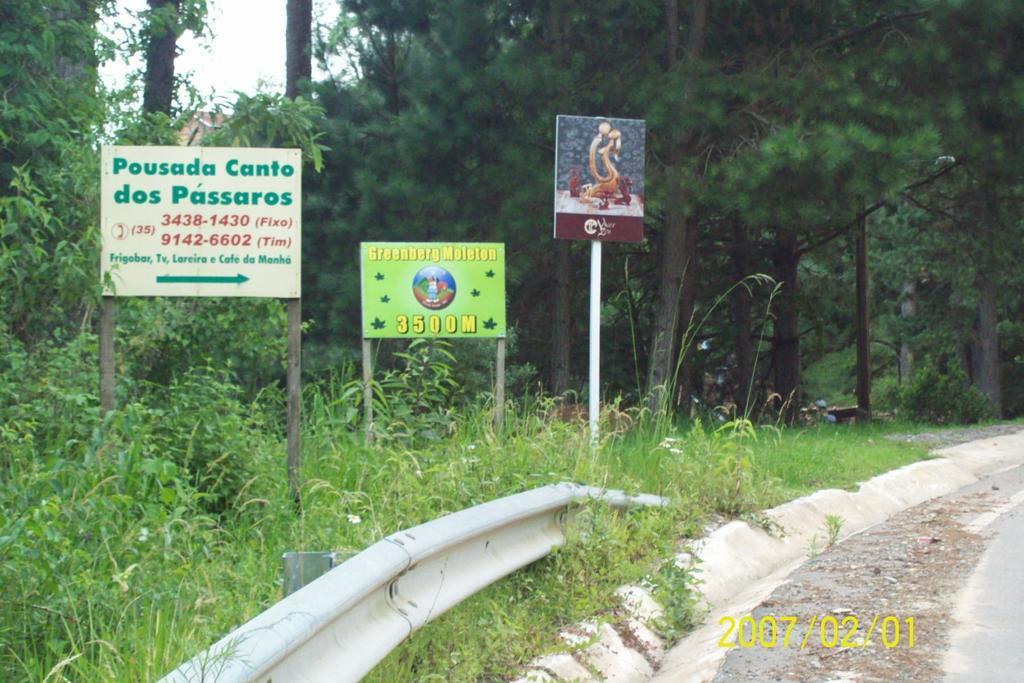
(131, 543)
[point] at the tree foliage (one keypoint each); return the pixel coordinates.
(772, 130)
(792, 120)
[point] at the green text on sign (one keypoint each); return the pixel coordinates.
(429, 289)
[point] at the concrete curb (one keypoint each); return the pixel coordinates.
(741, 564)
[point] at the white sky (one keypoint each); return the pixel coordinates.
(245, 48)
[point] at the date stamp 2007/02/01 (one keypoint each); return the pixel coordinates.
(828, 631)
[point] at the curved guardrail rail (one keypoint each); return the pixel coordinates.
(340, 626)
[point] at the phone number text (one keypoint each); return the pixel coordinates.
(198, 239)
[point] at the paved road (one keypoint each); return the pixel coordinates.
(953, 565)
(989, 615)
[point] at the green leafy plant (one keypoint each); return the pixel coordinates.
(419, 399)
(676, 586)
(833, 526)
(764, 522)
(201, 426)
(942, 394)
(162, 339)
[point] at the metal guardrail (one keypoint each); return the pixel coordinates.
(340, 626)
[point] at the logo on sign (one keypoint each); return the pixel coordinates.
(601, 228)
(433, 287)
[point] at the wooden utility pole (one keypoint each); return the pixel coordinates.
(863, 322)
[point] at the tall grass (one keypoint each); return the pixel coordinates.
(117, 564)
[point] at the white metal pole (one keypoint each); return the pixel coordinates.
(595, 338)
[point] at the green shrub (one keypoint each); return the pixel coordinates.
(48, 402)
(92, 518)
(160, 339)
(677, 587)
(202, 427)
(832, 377)
(886, 393)
(943, 396)
(419, 399)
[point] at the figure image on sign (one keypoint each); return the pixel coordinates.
(612, 152)
(433, 287)
(607, 183)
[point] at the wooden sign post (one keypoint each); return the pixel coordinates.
(107, 400)
(499, 388)
(368, 390)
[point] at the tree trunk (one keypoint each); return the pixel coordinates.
(786, 342)
(698, 28)
(683, 371)
(298, 45)
(162, 43)
(863, 325)
(671, 32)
(908, 309)
(688, 296)
(666, 330)
(677, 283)
(743, 348)
(75, 60)
(561, 334)
(985, 351)
(985, 345)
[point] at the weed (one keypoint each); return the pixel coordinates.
(676, 586)
(764, 522)
(833, 525)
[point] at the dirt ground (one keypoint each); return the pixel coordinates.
(952, 437)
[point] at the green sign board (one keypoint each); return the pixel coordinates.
(201, 221)
(431, 289)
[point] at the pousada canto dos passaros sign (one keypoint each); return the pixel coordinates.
(201, 221)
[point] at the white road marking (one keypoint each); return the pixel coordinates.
(984, 519)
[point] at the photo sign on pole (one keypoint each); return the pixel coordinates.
(599, 196)
(432, 290)
(201, 221)
(599, 178)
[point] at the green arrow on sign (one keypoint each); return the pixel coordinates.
(202, 279)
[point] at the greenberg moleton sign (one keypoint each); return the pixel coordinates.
(433, 289)
(201, 221)
(599, 179)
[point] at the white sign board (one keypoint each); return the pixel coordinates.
(201, 221)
